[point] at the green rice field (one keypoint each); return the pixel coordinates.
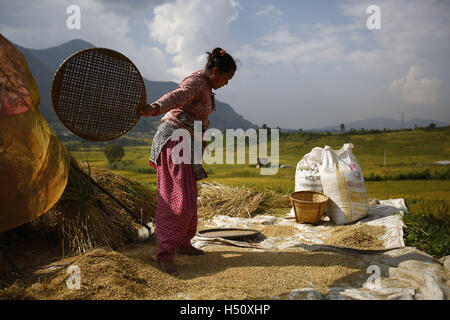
(395, 158)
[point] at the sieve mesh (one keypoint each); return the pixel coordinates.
(96, 93)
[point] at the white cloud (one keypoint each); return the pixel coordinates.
(150, 61)
(302, 46)
(42, 24)
(128, 7)
(411, 30)
(271, 12)
(188, 28)
(103, 24)
(347, 69)
(415, 89)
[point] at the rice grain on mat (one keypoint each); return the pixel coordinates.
(358, 236)
(223, 273)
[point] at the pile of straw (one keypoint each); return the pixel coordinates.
(243, 201)
(135, 196)
(85, 218)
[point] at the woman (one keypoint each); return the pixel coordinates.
(193, 100)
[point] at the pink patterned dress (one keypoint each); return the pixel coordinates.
(176, 214)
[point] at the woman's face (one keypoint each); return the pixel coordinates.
(219, 79)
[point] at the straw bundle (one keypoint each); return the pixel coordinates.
(84, 217)
(242, 201)
(135, 196)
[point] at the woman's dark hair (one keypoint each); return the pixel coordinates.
(221, 59)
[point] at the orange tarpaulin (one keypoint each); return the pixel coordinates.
(34, 164)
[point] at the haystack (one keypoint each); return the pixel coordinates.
(85, 217)
(240, 201)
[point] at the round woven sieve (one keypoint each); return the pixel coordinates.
(230, 233)
(96, 93)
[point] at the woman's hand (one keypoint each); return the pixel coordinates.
(148, 110)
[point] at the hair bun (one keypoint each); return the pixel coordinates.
(222, 59)
(217, 52)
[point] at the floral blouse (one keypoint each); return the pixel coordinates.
(192, 101)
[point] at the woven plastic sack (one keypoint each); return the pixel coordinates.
(307, 175)
(34, 165)
(343, 182)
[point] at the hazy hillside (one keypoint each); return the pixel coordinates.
(381, 123)
(43, 63)
(53, 57)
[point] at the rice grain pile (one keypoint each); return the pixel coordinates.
(104, 274)
(223, 273)
(358, 236)
(277, 230)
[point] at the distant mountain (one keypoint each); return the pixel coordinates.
(43, 63)
(53, 57)
(381, 123)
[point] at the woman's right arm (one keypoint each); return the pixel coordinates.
(149, 110)
(189, 90)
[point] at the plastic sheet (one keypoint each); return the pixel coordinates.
(397, 272)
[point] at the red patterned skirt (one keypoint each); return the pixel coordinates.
(176, 214)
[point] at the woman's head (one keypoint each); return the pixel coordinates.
(220, 67)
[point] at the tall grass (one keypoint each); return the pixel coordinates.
(428, 227)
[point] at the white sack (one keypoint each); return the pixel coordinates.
(307, 176)
(343, 182)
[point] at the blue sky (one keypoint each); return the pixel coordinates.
(302, 64)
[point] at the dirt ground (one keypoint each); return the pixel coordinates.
(224, 272)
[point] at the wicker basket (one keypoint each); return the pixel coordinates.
(309, 206)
